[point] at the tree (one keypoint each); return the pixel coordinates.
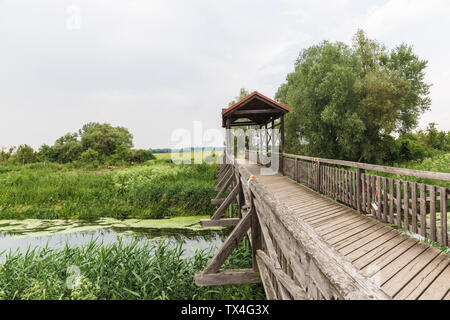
(242, 94)
(347, 101)
(68, 148)
(24, 154)
(5, 154)
(141, 155)
(46, 154)
(104, 138)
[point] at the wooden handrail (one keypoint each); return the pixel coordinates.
(401, 171)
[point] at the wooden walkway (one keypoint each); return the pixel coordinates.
(403, 267)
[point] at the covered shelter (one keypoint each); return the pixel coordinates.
(255, 110)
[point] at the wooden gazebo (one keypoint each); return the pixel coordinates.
(255, 110)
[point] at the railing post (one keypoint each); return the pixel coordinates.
(359, 190)
(281, 162)
(318, 175)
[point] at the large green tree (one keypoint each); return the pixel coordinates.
(104, 138)
(347, 101)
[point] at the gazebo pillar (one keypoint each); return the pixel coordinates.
(281, 144)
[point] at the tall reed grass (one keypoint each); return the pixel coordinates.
(117, 271)
(154, 190)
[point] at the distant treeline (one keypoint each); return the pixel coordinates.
(93, 144)
(193, 149)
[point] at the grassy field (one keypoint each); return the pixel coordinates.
(117, 271)
(155, 189)
(199, 156)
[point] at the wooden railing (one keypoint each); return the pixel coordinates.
(420, 208)
(289, 257)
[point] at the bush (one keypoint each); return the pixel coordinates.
(89, 156)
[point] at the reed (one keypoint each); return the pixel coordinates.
(117, 270)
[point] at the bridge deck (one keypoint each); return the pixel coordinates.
(404, 267)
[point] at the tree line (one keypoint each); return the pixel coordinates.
(94, 143)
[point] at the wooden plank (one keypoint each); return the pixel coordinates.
(369, 194)
(294, 290)
(228, 277)
(321, 216)
(406, 206)
(366, 254)
(312, 207)
(439, 288)
(391, 201)
(385, 197)
(224, 187)
(266, 280)
(386, 254)
(354, 230)
(255, 228)
(345, 230)
(217, 201)
(229, 199)
(361, 239)
(224, 222)
(408, 271)
(341, 224)
(269, 243)
(423, 212)
(432, 213)
(443, 206)
(390, 267)
(398, 220)
(424, 279)
(377, 199)
(229, 245)
(363, 192)
(414, 207)
(224, 178)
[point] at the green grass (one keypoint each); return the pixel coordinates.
(156, 189)
(117, 271)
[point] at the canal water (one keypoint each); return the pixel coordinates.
(22, 235)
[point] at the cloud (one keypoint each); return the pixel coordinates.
(155, 66)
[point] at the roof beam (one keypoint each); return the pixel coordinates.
(244, 112)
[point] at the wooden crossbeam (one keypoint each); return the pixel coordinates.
(229, 199)
(224, 222)
(227, 277)
(224, 188)
(294, 290)
(267, 282)
(222, 172)
(269, 244)
(229, 245)
(217, 201)
(224, 178)
(222, 168)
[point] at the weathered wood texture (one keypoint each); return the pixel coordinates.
(308, 246)
(416, 207)
(310, 268)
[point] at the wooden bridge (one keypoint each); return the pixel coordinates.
(327, 229)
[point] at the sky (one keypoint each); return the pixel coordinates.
(156, 67)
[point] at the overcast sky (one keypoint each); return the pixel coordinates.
(157, 66)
